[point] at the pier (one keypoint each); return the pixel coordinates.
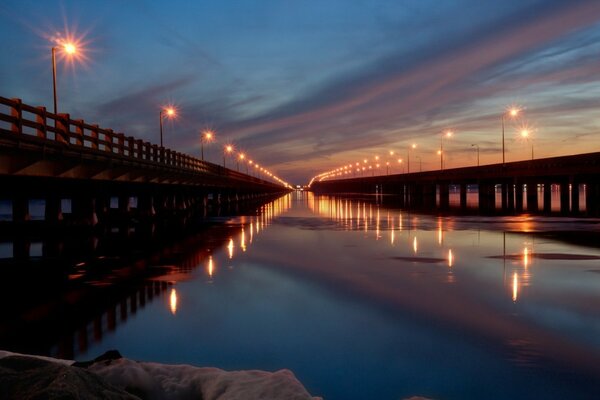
(86, 174)
(519, 186)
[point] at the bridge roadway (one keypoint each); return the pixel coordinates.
(572, 174)
(51, 157)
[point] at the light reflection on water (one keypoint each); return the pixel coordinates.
(364, 301)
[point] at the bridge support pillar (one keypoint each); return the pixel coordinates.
(444, 196)
(487, 200)
(532, 197)
(428, 193)
(20, 209)
(504, 196)
(463, 195)
(84, 210)
(564, 198)
(53, 212)
(511, 196)
(592, 198)
(548, 197)
(575, 198)
(145, 205)
(519, 197)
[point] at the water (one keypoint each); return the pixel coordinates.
(366, 301)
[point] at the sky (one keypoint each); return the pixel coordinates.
(303, 87)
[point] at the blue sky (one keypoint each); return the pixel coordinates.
(306, 86)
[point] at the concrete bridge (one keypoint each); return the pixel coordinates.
(51, 158)
(506, 188)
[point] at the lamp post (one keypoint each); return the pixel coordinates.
(387, 167)
(476, 145)
(208, 136)
(68, 48)
(413, 146)
(526, 134)
(513, 112)
(240, 157)
(420, 164)
(447, 134)
(228, 149)
(169, 112)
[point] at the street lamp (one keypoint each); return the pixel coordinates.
(240, 157)
(207, 135)
(228, 149)
(413, 146)
(476, 145)
(513, 112)
(169, 112)
(441, 152)
(387, 167)
(70, 49)
(526, 134)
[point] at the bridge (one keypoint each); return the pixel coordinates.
(51, 158)
(506, 188)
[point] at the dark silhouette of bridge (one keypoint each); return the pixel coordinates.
(51, 157)
(508, 188)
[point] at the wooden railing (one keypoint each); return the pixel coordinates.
(24, 119)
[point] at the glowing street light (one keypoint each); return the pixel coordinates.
(70, 49)
(166, 112)
(526, 134)
(207, 135)
(512, 112)
(227, 149)
(241, 157)
(441, 151)
(413, 146)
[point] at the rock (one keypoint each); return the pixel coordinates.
(37, 379)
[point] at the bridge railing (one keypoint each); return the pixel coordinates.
(23, 119)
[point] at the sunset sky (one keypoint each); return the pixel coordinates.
(306, 86)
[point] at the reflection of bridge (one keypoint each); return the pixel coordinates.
(51, 157)
(574, 175)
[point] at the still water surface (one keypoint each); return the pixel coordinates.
(364, 301)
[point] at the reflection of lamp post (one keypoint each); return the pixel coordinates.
(208, 136)
(68, 48)
(447, 134)
(476, 145)
(169, 112)
(512, 112)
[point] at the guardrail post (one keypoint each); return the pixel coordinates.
(94, 136)
(62, 128)
(78, 131)
(108, 138)
(16, 111)
(40, 118)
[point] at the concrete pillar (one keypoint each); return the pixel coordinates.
(564, 198)
(511, 196)
(124, 204)
(575, 198)
(444, 190)
(532, 197)
(487, 200)
(592, 198)
(504, 196)
(84, 210)
(463, 195)
(20, 209)
(519, 197)
(53, 212)
(547, 197)
(428, 193)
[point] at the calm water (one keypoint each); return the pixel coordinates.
(362, 301)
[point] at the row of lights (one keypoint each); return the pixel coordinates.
(365, 167)
(70, 48)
